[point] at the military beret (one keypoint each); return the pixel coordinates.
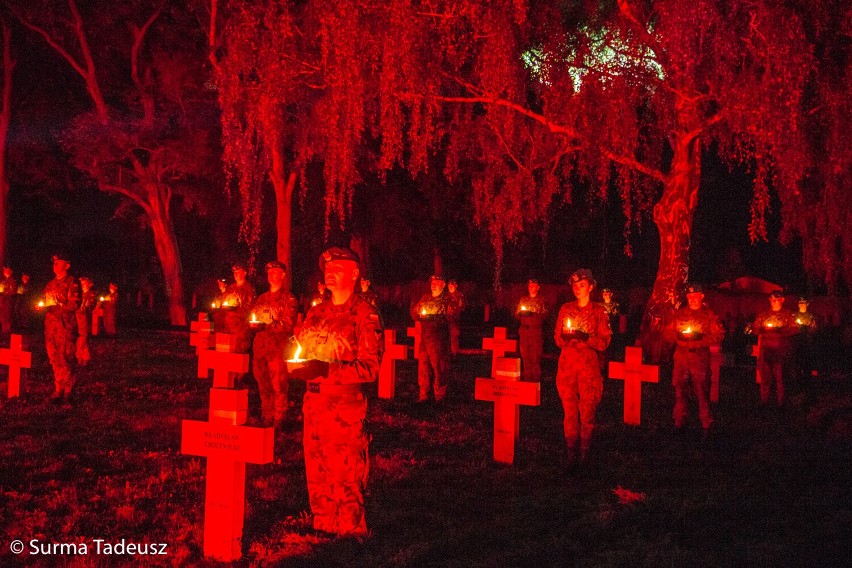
(803, 300)
(62, 255)
(437, 277)
(776, 294)
(276, 264)
(532, 281)
(606, 291)
(238, 266)
(453, 283)
(337, 253)
(694, 288)
(582, 274)
(86, 278)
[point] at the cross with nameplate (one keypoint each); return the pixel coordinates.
(201, 336)
(228, 446)
(225, 363)
(633, 373)
(387, 369)
(499, 346)
(16, 358)
(507, 392)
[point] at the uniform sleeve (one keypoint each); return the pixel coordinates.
(557, 332)
(290, 313)
(73, 301)
(364, 368)
(600, 338)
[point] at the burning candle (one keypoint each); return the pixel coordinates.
(314, 303)
(770, 324)
(213, 305)
(102, 299)
(523, 308)
(423, 312)
(799, 321)
(568, 327)
(40, 304)
(225, 304)
(687, 331)
(298, 352)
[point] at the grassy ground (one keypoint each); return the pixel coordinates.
(771, 491)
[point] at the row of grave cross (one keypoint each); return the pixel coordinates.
(228, 444)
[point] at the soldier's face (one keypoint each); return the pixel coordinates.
(60, 266)
(365, 285)
(582, 289)
(776, 303)
(85, 285)
(803, 307)
(694, 300)
(7, 272)
(239, 275)
(275, 277)
(533, 288)
(341, 275)
(451, 288)
(437, 286)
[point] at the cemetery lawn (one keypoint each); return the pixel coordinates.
(769, 490)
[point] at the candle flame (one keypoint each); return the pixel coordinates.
(314, 303)
(254, 317)
(102, 299)
(523, 308)
(567, 324)
(41, 304)
(687, 330)
(225, 303)
(799, 321)
(770, 324)
(423, 312)
(298, 351)
(213, 305)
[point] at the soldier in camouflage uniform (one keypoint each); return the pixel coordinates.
(321, 296)
(693, 328)
(433, 313)
(775, 327)
(368, 293)
(804, 344)
(582, 332)
(218, 306)
(341, 339)
(531, 311)
(22, 304)
(276, 311)
(454, 314)
(109, 305)
(61, 297)
(8, 289)
(240, 296)
(88, 301)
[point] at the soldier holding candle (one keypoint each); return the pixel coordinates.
(693, 328)
(61, 297)
(775, 327)
(456, 306)
(7, 295)
(341, 340)
(582, 333)
(433, 312)
(804, 345)
(368, 293)
(275, 311)
(240, 296)
(88, 301)
(109, 303)
(531, 311)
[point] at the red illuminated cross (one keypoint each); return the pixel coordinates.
(228, 446)
(225, 363)
(387, 370)
(634, 373)
(202, 333)
(499, 346)
(97, 314)
(508, 393)
(415, 333)
(755, 352)
(16, 358)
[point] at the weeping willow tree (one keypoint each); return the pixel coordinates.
(523, 97)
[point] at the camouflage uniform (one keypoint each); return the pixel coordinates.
(578, 379)
(692, 359)
(22, 307)
(532, 317)
(88, 301)
(776, 348)
(240, 298)
(8, 288)
(61, 297)
(804, 346)
(433, 358)
(108, 305)
(456, 305)
(371, 297)
(336, 448)
(278, 312)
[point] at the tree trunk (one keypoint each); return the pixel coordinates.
(167, 251)
(437, 261)
(673, 216)
(284, 185)
(361, 247)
